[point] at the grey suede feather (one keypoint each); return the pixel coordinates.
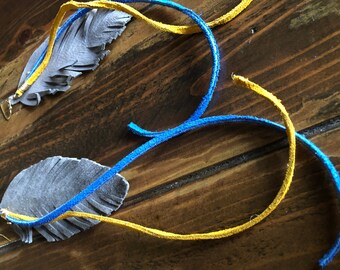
(80, 48)
(46, 185)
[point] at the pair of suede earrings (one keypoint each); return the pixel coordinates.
(195, 121)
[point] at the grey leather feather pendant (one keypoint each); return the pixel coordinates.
(46, 185)
(80, 48)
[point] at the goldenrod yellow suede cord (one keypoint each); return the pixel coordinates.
(192, 123)
(181, 29)
(220, 233)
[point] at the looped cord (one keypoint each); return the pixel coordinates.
(192, 123)
(62, 211)
(184, 29)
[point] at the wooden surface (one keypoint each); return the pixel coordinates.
(202, 181)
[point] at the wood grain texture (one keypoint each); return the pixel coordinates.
(204, 180)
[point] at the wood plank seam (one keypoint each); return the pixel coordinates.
(318, 129)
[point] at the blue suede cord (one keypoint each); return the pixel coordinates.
(329, 256)
(169, 135)
(206, 31)
(215, 63)
(124, 162)
(79, 13)
(194, 122)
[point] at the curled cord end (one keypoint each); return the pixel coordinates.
(239, 80)
(142, 132)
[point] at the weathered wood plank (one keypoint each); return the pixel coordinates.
(157, 79)
(140, 93)
(294, 236)
(175, 178)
